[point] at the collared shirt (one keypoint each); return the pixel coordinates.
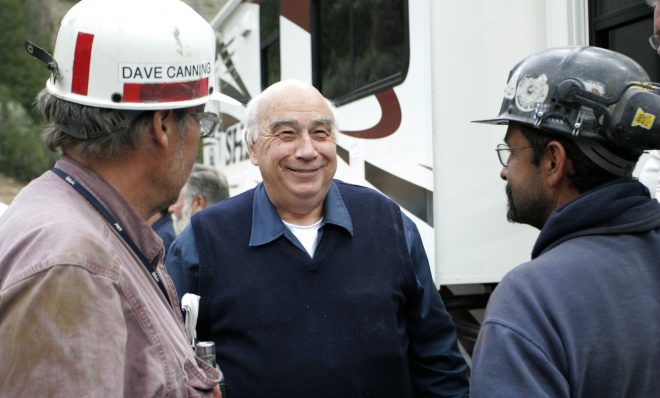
(268, 227)
(79, 313)
(440, 338)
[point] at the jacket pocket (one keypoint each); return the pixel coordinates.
(201, 378)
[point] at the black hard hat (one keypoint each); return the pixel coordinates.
(590, 94)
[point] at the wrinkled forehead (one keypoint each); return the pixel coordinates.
(294, 103)
(300, 123)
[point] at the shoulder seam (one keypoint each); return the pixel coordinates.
(518, 332)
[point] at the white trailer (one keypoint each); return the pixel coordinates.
(408, 76)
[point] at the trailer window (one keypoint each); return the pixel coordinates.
(269, 21)
(359, 47)
(624, 26)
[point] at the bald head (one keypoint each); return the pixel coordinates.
(290, 85)
(283, 94)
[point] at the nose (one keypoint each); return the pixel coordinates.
(306, 149)
(175, 208)
(503, 173)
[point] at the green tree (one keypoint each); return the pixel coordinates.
(20, 72)
(22, 155)
(21, 77)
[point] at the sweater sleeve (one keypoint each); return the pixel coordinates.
(519, 352)
(436, 364)
(507, 363)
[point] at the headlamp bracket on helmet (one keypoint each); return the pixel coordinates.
(43, 56)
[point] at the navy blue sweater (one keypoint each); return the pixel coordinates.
(287, 325)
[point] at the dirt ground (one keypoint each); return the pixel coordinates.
(9, 188)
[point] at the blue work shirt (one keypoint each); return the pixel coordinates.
(164, 228)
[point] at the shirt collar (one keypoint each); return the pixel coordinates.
(267, 224)
(136, 227)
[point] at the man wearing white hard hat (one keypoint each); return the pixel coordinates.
(86, 306)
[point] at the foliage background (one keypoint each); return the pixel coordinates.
(22, 156)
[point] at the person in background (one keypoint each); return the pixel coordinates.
(578, 320)
(650, 174)
(311, 287)
(86, 307)
(163, 225)
(205, 186)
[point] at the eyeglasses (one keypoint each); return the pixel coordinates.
(654, 40)
(208, 123)
(504, 153)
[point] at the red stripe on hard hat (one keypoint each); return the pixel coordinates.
(81, 61)
(165, 92)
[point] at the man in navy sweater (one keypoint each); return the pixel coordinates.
(579, 319)
(312, 287)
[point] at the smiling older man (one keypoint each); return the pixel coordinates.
(312, 287)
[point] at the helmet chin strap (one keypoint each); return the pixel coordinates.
(604, 158)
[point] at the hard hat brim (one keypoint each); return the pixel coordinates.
(498, 121)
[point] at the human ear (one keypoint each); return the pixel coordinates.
(199, 203)
(556, 163)
(251, 149)
(161, 126)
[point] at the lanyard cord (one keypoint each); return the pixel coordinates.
(115, 224)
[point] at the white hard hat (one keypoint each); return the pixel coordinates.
(133, 55)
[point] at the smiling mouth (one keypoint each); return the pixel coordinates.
(305, 170)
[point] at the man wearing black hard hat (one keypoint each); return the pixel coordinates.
(580, 318)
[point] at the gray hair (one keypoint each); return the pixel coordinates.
(208, 182)
(91, 131)
(252, 117)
